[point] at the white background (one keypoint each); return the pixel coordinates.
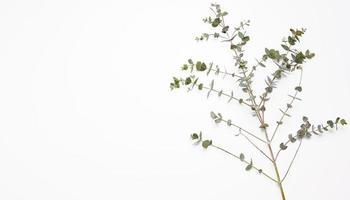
(86, 111)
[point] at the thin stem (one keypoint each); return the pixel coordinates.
(261, 151)
(262, 122)
(244, 130)
(291, 163)
(250, 92)
(288, 107)
(325, 126)
(226, 73)
(263, 100)
(227, 95)
(279, 151)
(249, 140)
(212, 34)
(285, 143)
(246, 162)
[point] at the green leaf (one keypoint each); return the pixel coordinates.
(241, 157)
(299, 58)
(225, 29)
(343, 122)
(301, 133)
(175, 83)
(194, 136)
(218, 120)
(206, 143)
(245, 38)
(324, 128)
(298, 88)
(272, 53)
(269, 89)
(305, 119)
(190, 61)
(201, 66)
(188, 81)
(309, 55)
(285, 47)
(330, 123)
(283, 146)
(250, 166)
(220, 93)
(213, 115)
(216, 22)
(291, 40)
(291, 138)
(233, 46)
(240, 35)
(224, 13)
(200, 86)
(337, 120)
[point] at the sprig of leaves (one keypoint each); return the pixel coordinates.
(287, 59)
(306, 130)
(209, 143)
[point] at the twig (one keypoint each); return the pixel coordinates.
(227, 95)
(290, 103)
(249, 133)
(235, 156)
(291, 163)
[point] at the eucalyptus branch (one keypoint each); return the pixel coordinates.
(289, 105)
(191, 82)
(287, 61)
(202, 67)
(306, 130)
(230, 96)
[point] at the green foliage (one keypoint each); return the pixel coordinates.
(216, 22)
(241, 157)
(282, 62)
(216, 117)
(283, 146)
(299, 58)
(307, 129)
(249, 166)
(194, 136)
(206, 143)
(291, 138)
(298, 88)
(272, 53)
(175, 83)
(343, 122)
(201, 66)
